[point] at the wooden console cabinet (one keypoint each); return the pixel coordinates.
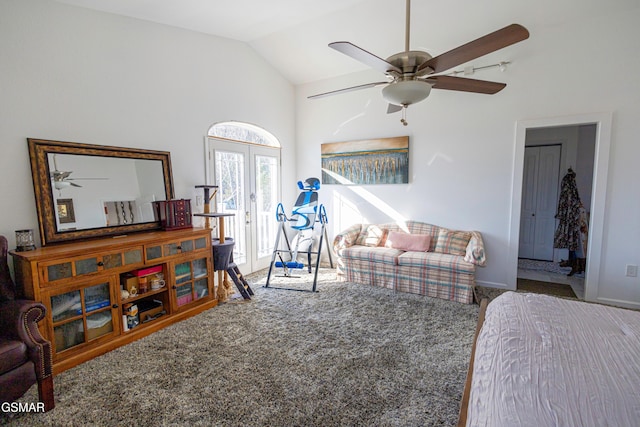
(80, 284)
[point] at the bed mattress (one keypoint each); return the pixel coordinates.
(546, 361)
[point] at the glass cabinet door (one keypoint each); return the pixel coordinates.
(191, 281)
(200, 278)
(81, 315)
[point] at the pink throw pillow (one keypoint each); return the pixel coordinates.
(409, 242)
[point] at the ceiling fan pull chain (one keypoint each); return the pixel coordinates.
(403, 120)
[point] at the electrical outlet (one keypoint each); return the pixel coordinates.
(632, 270)
(199, 200)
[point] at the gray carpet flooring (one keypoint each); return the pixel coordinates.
(349, 355)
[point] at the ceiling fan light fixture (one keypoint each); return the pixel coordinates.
(406, 92)
(59, 185)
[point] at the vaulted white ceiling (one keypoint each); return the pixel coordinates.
(293, 34)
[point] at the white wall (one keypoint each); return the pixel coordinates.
(72, 74)
(462, 146)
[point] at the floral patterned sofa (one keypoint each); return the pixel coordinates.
(414, 257)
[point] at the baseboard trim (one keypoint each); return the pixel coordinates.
(494, 285)
(618, 303)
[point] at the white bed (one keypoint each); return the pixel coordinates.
(545, 361)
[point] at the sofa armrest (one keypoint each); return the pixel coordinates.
(19, 320)
(346, 238)
(475, 252)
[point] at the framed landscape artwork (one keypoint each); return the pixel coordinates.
(370, 161)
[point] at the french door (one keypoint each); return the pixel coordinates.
(248, 180)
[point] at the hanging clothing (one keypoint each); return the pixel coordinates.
(567, 234)
(581, 251)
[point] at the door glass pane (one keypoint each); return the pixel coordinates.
(199, 268)
(184, 294)
(99, 324)
(65, 306)
(96, 297)
(202, 288)
(68, 334)
(266, 201)
(183, 273)
(230, 178)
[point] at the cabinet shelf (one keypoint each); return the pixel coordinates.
(144, 295)
(183, 277)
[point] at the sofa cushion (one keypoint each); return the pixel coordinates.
(436, 261)
(408, 242)
(452, 242)
(370, 235)
(378, 254)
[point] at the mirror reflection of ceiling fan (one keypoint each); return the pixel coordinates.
(61, 179)
(411, 74)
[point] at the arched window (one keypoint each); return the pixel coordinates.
(243, 132)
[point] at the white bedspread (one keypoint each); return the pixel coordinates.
(545, 361)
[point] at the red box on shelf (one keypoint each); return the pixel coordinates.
(147, 271)
(174, 214)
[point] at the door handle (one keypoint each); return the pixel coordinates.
(247, 217)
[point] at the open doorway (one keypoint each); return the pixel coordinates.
(602, 122)
(554, 155)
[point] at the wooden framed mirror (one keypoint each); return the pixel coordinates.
(85, 191)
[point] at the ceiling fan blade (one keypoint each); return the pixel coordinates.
(83, 179)
(465, 85)
(393, 108)
(348, 89)
(502, 38)
(365, 57)
(59, 175)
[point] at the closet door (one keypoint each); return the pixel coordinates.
(539, 201)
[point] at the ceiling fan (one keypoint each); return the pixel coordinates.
(61, 178)
(411, 74)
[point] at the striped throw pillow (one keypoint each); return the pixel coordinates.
(452, 242)
(371, 235)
